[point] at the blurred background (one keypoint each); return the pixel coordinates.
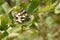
(44, 22)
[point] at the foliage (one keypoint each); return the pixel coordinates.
(44, 23)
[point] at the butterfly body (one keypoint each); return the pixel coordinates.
(21, 16)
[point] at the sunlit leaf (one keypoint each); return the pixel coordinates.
(5, 7)
(57, 9)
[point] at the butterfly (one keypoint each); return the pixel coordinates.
(20, 17)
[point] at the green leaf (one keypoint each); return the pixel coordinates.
(49, 22)
(3, 22)
(47, 8)
(5, 34)
(15, 8)
(5, 7)
(47, 2)
(1, 2)
(16, 2)
(24, 5)
(53, 1)
(1, 10)
(57, 9)
(33, 6)
(50, 36)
